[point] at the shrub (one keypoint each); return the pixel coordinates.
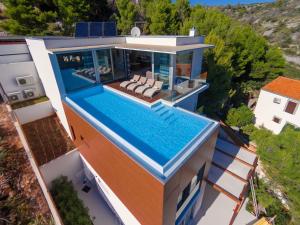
(272, 205)
(71, 208)
(280, 157)
(240, 117)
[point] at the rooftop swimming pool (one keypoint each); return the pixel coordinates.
(156, 134)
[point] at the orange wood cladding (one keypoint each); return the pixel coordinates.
(139, 191)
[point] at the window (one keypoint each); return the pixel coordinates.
(104, 65)
(184, 195)
(161, 68)
(190, 188)
(277, 100)
(290, 107)
(184, 64)
(77, 70)
(276, 119)
(200, 174)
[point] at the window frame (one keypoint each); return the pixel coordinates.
(276, 117)
(287, 104)
(277, 100)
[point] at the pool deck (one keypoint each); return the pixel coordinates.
(116, 85)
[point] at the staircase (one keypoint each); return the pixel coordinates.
(231, 171)
(232, 167)
(164, 113)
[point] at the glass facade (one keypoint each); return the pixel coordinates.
(183, 67)
(161, 68)
(104, 67)
(77, 70)
(82, 69)
(139, 62)
(119, 64)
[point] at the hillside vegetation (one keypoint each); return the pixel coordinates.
(279, 22)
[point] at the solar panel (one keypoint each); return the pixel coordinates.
(95, 29)
(109, 29)
(82, 29)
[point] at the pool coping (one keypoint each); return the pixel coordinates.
(162, 172)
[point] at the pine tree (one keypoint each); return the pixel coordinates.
(70, 12)
(163, 18)
(127, 13)
(27, 17)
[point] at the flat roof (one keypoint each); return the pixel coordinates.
(78, 48)
(162, 48)
(285, 87)
(137, 47)
(157, 136)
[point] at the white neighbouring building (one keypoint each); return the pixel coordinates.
(278, 105)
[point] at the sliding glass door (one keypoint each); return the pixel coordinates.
(104, 67)
(161, 68)
(119, 64)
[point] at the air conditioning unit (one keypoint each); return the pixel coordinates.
(29, 93)
(13, 96)
(25, 80)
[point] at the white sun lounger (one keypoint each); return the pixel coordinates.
(152, 91)
(135, 79)
(141, 82)
(141, 89)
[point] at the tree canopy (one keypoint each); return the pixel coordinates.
(51, 17)
(280, 155)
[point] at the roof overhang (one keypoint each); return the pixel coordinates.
(136, 47)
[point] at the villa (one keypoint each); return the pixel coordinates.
(278, 105)
(128, 105)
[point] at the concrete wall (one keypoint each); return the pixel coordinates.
(78, 42)
(54, 212)
(165, 40)
(112, 199)
(9, 73)
(152, 40)
(69, 165)
(46, 64)
(184, 176)
(34, 112)
(136, 187)
(266, 109)
(16, 61)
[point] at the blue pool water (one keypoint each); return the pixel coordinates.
(159, 132)
(72, 82)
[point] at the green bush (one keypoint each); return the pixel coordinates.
(240, 117)
(71, 208)
(273, 206)
(280, 157)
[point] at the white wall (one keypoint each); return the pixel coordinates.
(266, 109)
(34, 112)
(12, 53)
(77, 42)
(152, 40)
(13, 49)
(69, 165)
(43, 62)
(126, 216)
(15, 58)
(190, 40)
(10, 71)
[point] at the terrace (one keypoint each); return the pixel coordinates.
(178, 67)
